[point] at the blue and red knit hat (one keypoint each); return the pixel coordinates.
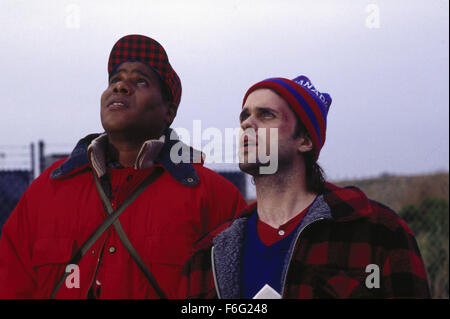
(306, 101)
(140, 48)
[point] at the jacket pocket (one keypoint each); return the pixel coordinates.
(49, 260)
(52, 251)
(166, 256)
(171, 250)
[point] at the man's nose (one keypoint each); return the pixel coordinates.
(122, 87)
(248, 123)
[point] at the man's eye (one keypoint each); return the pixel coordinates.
(267, 114)
(114, 80)
(142, 81)
(243, 117)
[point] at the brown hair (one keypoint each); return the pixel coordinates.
(315, 176)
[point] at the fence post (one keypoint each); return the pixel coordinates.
(33, 167)
(41, 157)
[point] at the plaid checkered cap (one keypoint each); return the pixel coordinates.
(140, 48)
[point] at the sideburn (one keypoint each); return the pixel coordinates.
(315, 176)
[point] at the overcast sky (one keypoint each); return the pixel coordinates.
(385, 64)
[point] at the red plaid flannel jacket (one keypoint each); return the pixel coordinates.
(344, 243)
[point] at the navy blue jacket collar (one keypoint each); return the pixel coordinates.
(183, 172)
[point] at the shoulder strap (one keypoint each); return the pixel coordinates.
(126, 242)
(110, 219)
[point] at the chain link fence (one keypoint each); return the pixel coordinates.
(429, 222)
(12, 185)
(16, 173)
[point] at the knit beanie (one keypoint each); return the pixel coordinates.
(310, 105)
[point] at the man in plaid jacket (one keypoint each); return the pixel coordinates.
(305, 238)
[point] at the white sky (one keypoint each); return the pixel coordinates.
(389, 84)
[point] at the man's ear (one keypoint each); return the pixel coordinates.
(304, 143)
(171, 112)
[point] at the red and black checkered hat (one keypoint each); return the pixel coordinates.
(144, 49)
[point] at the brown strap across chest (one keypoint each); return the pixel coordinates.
(112, 219)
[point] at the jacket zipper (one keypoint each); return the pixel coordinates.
(292, 253)
(287, 270)
(214, 273)
(99, 259)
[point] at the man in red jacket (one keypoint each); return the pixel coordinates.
(142, 253)
(305, 238)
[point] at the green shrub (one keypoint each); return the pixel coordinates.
(430, 223)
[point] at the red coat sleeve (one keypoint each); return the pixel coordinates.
(16, 272)
(223, 201)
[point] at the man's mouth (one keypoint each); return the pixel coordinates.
(248, 142)
(117, 105)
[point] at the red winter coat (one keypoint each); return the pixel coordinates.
(342, 233)
(62, 208)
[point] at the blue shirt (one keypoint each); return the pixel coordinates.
(262, 264)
